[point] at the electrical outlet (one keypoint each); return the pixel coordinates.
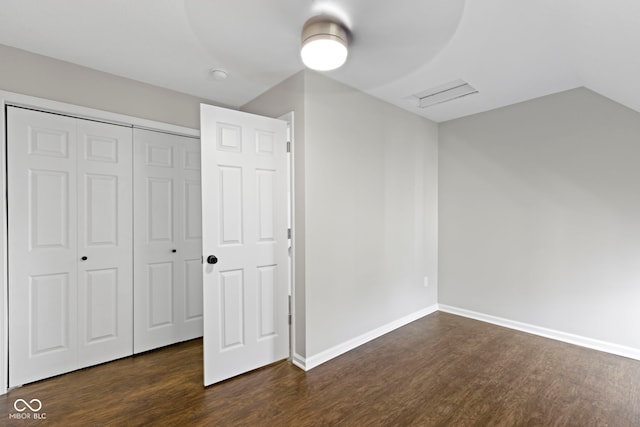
(426, 281)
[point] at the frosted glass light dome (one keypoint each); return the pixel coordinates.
(324, 44)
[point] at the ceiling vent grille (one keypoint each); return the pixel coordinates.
(443, 93)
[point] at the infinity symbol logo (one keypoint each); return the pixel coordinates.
(21, 405)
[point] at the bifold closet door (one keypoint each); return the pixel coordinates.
(105, 242)
(69, 241)
(167, 241)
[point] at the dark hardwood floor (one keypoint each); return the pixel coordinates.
(442, 370)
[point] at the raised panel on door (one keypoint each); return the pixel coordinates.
(48, 211)
(101, 210)
(268, 301)
(193, 289)
(167, 242)
(265, 188)
(160, 297)
(192, 210)
(105, 240)
(160, 206)
(244, 196)
(101, 305)
(231, 309)
(230, 209)
(42, 243)
(48, 314)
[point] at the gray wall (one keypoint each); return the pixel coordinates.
(30, 74)
(371, 213)
(539, 215)
(367, 193)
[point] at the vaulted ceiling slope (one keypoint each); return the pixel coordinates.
(510, 50)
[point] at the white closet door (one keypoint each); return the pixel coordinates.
(42, 242)
(105, 239)
(65, 313)
(167, 243)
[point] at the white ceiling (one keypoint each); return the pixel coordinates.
(510, 50)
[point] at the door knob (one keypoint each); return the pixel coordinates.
(84, 258)
(212, 259)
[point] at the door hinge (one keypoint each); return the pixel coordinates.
(288, 233)
(289, 319)
(288, 146)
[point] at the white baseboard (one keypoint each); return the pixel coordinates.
(299, 361)
(324, 356)
(607, 347)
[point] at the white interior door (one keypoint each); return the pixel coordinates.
(42, 240)
(168, 240)
(105, 239)
(69, 241)
(244, 211)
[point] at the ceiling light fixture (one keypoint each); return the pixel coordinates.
(324, 43)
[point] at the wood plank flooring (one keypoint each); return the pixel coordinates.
(442, 370)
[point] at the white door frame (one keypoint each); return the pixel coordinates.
(11, 98)
(290, 119)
